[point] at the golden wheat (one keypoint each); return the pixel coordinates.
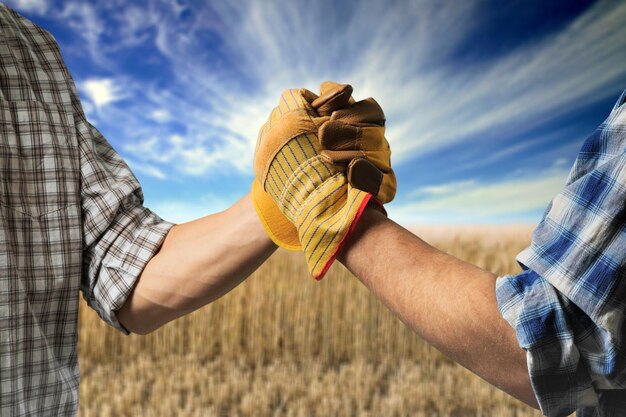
(284, 345)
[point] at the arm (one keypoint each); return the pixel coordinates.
(448, 302)
(198, 262)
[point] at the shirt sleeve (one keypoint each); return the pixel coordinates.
(567, 306)
(120, 235)
(554, 333)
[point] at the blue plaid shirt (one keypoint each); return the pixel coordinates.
(569, 304)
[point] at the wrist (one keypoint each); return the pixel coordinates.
(372, 218)
(248, 219)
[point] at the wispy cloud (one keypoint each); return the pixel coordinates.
(186, 85)
(442, 189)
(476, 202)
(542, 80)
(223, 93)
(86, 21)
(147, 169)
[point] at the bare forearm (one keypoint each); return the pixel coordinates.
(198, 262)
(450, 303)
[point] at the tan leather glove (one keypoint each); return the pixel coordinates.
(302, 195)
(355, 136)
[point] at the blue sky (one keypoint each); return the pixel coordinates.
(487, 102)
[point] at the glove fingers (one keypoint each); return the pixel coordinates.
(364, 111)
(327, 86)
(290, 99)
(330, 87)
(336, 135)
(380, 159)
(364, 175)
(340, 157)
(387, 189)
(333, 96)
(308, 95)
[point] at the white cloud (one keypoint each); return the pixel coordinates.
(38, 7)
(475, 202)
(161, 115)
(102, 91)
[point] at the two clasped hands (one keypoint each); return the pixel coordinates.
(319, 161)
(322, 174)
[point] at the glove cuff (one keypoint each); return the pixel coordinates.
(327, 221)
(345, 238)
(282, 232)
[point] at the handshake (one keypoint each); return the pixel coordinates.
(319, 161)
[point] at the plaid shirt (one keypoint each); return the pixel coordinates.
(71, 218)
(569, 304)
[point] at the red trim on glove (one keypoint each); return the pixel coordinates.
(362, 207)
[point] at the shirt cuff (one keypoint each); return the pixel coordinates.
(120, 273)
(546, 326)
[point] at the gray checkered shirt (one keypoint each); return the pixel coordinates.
(71, 218)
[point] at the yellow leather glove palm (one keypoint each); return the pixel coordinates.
(302, 191)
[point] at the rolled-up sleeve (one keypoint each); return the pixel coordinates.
(120, 235)
(559, 340)
(568, 304)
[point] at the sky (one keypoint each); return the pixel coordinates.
(487, 102)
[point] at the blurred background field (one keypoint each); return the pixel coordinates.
(282, 344)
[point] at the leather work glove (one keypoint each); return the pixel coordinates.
(319, 160)
(355, 136)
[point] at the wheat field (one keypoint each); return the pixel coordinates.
(282, 344)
